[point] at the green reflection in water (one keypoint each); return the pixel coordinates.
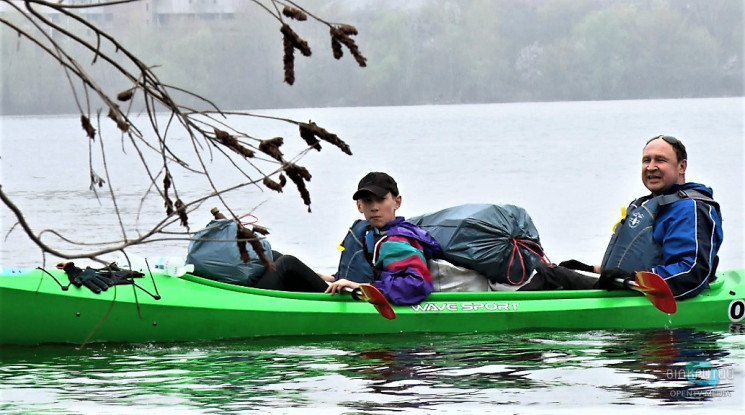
(363, 373)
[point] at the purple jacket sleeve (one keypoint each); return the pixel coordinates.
(402, 259)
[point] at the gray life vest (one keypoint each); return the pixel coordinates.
(632, 246)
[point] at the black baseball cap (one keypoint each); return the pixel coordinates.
(377, 183)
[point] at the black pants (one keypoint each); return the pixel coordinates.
(291, 274)
(554, 277)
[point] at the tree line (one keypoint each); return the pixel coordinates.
(425, 52)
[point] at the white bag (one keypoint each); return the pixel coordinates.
(449, 277)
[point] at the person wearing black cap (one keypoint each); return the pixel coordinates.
(395, 250)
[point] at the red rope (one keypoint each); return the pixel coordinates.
(532, 247)
(251, 222)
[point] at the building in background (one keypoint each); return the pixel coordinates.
(158, 13)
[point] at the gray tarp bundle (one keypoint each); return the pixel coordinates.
(487, 238)
(215, 255)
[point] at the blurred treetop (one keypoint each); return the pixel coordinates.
(425, 52)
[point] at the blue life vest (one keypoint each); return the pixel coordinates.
(353, 264)
(632, 246)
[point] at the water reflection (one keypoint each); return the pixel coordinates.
(675, 365)
(453, 361)
(374, 373)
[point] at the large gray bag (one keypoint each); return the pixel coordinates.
(498, 241)
(215, 255)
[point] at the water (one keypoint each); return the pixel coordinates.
(570, 165)
(521, 372)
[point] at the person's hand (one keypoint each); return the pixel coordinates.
(579, 266)
(608, 277)
(338, 286)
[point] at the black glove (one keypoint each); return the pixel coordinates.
(579, 266)
(607, 280)
(119, 276)
(73, 273)
(95, 282)
(123, 277)
(88, 277)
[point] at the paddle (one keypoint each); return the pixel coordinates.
(655, 289)
(372, 295)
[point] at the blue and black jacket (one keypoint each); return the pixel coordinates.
(676, 235)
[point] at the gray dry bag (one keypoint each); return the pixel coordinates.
(215, 255)
(498, 241)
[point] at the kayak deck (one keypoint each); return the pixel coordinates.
(35, 309)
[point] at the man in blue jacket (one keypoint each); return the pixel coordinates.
(675, 231)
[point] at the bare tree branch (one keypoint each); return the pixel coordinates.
(210, 131)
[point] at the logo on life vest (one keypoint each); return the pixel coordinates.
(635, 219)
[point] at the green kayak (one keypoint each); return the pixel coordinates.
(36, 307)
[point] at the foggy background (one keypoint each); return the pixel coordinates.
(418, 52)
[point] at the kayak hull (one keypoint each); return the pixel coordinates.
(36, 308)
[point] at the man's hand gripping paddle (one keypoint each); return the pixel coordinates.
(655, 289)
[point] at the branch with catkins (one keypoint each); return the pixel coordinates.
(271, 184)
(232, 143)
(340, 35)
(291, 41)
(77, 40)
(299, 175)
(311, 130)
(271, 147)
(244, 235)
(294, 13)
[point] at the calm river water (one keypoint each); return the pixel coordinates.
(571, 165)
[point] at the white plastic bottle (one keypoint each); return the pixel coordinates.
(170, 265)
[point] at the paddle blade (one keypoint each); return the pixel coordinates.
(373, 296)
(656, 290)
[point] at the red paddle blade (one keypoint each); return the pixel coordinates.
(373, 296)
(656, 290)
